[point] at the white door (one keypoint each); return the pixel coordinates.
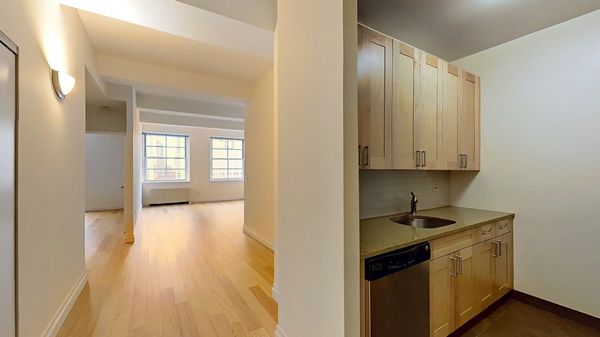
(104, 176)
(7, 191)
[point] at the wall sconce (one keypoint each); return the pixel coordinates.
(63, 83)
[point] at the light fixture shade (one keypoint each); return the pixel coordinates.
(63, 83)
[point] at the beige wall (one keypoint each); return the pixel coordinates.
(201, 188)
(539, 157)
(387, 192)
(311, 233)
(259, 206)
(51, 157)
(99, 120)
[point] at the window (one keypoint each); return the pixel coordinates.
(226, 159)
(165, 157)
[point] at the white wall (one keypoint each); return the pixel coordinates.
(51, 157)
(202, 189)
(313, 239)
(541, 157)
(98, 120)
(259, 206)
(104, 171)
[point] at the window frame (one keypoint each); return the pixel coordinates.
(145, 158)
(210, 159)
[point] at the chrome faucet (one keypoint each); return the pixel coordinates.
(413, 204)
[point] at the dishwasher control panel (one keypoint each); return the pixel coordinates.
(382, 265)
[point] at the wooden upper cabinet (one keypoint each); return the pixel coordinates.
(452, 77)
(461, 119)
(415, 111)
(405, 74)
(468, 121)
(374, 99)
(428, 124)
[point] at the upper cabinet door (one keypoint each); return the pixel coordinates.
(374, 99)
(429, 114)
(451, 106)
(468, 122)
(405, 75)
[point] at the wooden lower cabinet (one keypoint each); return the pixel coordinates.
(465, 303)
(441, 296)
(503, 266)
(483, 265)
(467, 281)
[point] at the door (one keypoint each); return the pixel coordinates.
(7, 185)
(405, 73)
(429, 114)
(483, 272)
(503, 271)
(451, 101)
(441, 296)
(104, 176)
(374, 99)
(468, 122)
(465, 304)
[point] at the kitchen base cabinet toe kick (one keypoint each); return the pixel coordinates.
(468, 280)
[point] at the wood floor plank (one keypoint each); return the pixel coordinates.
(191, 273)
(222, 325)
(266, 301)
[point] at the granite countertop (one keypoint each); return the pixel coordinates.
(380, 235)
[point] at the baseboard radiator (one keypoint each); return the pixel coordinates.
(165, 196)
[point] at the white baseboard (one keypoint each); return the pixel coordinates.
(65, 308)
(258, 237)
(275, 293)
(279, 332)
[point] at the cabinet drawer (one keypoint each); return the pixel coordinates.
(503, 227)
(451, 243)
(485, 232)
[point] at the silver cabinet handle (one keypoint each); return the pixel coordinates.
(454, 271)
(418, 159)
(497, 248)
(365, 152)
(462, 161)
(424, 159)
(466, 161)
(359, 156)
(460, 265)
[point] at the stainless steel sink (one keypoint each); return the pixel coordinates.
(420, 221)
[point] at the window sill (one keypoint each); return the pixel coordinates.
(226, 180)
(165, 182)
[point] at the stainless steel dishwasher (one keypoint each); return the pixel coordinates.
(397, 293)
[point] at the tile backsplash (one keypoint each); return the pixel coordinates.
(388, 192)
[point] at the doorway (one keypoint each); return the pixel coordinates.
(105, 141)
(8, 216)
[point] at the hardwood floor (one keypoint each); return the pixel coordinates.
(191, 272)
(517, 319)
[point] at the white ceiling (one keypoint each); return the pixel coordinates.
(453, 29)
(94, 97)
(135, 42)
(260, 13)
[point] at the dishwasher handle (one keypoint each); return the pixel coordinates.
(395, 261)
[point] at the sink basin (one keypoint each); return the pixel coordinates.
(420, 221)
